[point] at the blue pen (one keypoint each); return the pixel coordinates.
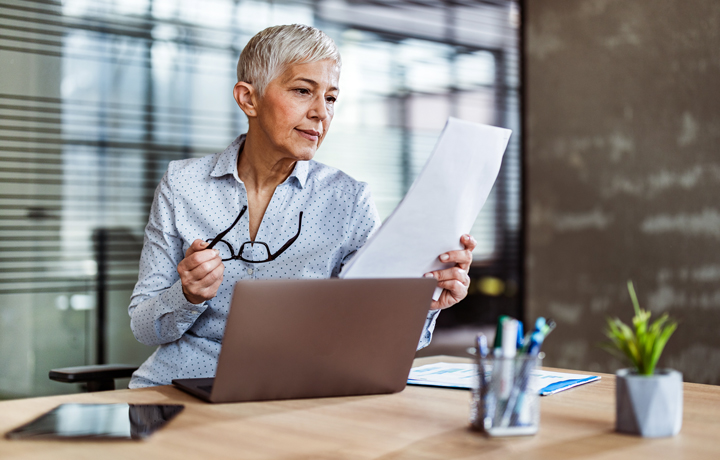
(536, 340)
(520, 336)
(482, 346)
(539, 325)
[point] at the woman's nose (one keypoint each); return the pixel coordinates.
(319, 109)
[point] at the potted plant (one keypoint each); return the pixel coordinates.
(649, 401)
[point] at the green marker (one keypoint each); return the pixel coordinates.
(498, 331)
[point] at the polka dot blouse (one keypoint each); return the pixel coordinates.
(199, 198)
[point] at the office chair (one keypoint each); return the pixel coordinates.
(96, 378)
(110, 244)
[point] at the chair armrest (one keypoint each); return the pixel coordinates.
(84, 374)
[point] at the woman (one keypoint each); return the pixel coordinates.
(305, 219)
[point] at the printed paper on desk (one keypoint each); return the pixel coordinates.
(463, 375)
(441, 205)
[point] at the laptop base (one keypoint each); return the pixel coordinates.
(201, 388)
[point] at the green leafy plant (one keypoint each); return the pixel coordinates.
(643, 345)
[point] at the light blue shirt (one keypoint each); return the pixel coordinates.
(199, 198)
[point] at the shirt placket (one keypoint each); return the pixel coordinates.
(243, 232)
(268, 230)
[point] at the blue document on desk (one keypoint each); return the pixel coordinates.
(462, 375)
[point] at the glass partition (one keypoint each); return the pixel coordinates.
(97, 96)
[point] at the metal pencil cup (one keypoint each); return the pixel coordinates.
(504, 402)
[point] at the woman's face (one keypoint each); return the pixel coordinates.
(295, 112)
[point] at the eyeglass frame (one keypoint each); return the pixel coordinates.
(239, 256)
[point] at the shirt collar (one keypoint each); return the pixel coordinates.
(227, 164)
(300, 172)
(227, 161)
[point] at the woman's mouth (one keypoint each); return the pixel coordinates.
(309, 134)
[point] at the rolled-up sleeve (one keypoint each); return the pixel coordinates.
(159, 311)
(426, 336)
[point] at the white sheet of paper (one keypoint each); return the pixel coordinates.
(441, 205)
(462, 375)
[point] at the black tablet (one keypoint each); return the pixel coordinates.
(98, 421)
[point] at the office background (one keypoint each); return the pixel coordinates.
(98, 96)
(618, 179)
(623, 173)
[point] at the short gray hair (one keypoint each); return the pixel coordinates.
(270, 51)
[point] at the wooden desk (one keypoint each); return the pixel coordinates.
(418, 423)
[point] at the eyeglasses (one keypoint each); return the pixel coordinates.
(239, 256)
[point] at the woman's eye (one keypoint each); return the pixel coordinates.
(331, 99)
(302, 91)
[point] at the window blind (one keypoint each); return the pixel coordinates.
(97, 96)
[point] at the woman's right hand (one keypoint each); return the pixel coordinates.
(201, 272)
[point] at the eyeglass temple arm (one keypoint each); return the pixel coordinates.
(290, 241)
(222, 234)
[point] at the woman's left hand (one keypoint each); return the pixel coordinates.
(454, 280)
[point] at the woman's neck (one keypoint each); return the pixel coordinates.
(260, 168)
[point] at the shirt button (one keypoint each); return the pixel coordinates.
(249, 271)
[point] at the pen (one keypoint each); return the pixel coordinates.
(520, 336)
(482, 347)
(508, 342)
(536, 340)
(508, 351)
(531, 348)
(485, 404)
(498, 331)
(519, 387)
(548, 327)
(539, 325)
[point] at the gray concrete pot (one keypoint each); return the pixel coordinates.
(649, 405)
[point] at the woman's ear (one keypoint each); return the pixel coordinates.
(246, 98)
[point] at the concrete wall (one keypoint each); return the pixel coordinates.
(623, 173)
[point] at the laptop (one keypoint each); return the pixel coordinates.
(288, 339)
